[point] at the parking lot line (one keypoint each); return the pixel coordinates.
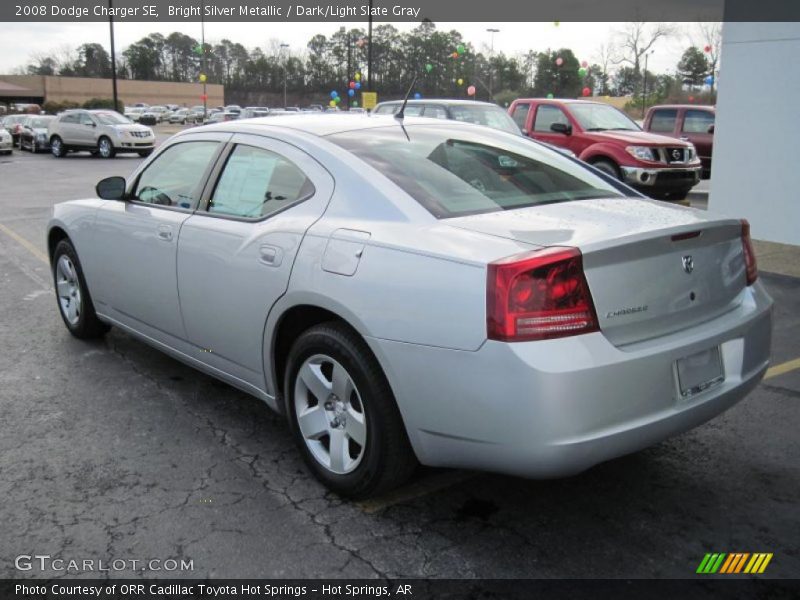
(25, 244)
(782, 368)
(417, 489)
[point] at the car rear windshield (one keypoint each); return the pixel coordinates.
(455, 171)
(491, 116)
(602, 117)
(111, 118)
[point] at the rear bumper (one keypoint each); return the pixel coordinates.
(555, 408)
(661, 178)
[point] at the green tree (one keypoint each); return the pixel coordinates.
(693, 66)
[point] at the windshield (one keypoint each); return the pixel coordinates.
(111, 118)
(491, 116)
(452, 172)
(600, 117)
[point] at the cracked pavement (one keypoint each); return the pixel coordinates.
(112, 450)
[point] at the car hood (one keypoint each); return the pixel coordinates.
(639, 138)
(132, 127)
(40, 130)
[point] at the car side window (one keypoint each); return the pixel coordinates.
(546, 115)
(520, 114)
(387, 109)
(86, 119)
(437, 112)
(256, 183)
(71, 118)
(663, 120)
(175, 177)
(697, 121)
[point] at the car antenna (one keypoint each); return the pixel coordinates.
(402, 112)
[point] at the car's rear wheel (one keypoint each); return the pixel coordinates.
(74, 301)
(105, 148)
(57, 148)
(33, 147)
(343, 414)
(607, 167)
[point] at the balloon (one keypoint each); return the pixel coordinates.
(203, 97)
(337, 99)
(417, 95)
(707, 48)
(429, 67)
(581, 72)
(351, 93)
(471, 90)
(331, 103)
(202, 78)
(709, 79)
(691, 98)
(454, 55)
(586, 91)
(460, 82)
(352, 85)
(358, 85)
(354, 104)
(334, 94)
(461, 49)
(357, 77)
(559, 61)
(584, 64)
(550, 95)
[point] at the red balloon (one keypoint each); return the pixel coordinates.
(203, 97)
(586, 91)
(352, 85)
(691, 98)
(707, 48)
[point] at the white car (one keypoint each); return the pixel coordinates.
(420, 290)
(101, 132)
(6, 142)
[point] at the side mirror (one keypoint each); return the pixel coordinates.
(711, 129)
(111, 188)
(564, 128)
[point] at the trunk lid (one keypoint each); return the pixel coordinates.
(652, 268)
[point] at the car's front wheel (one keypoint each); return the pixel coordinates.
(607, 167)
(343, 414)
(74, 301)
(57, 148)
(105, 148)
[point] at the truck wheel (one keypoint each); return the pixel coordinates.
(607, 167)
(343, 414)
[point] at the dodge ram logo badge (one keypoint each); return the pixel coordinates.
(688, 263)
(676, 154)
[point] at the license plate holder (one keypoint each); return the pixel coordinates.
(699, 372)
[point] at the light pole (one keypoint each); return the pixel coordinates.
(285, 74)
(113, 57)
(492, 31)
(644, 83)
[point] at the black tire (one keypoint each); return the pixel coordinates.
(57, 147)
(105, 147)
(607, 167)
(388, 459)
(87, 326)
(145, 153)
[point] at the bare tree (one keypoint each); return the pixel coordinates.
(604, 56)
(708, 36)
(636, 39)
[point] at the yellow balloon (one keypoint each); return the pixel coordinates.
(460, 82)
(332, 104)
(202, 78)
(358, 77)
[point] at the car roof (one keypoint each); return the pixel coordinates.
(563, 101)
(324, 124)
(700, 106)
(442, 102)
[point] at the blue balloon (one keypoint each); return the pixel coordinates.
(709, 80)
(334, 94)
(351, 93)
(417, 96)
(358, 85)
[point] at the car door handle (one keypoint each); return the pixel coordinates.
(270, 255)
(165, 233)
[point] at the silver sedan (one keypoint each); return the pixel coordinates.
(413, 291)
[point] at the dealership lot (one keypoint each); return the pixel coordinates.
(111, 450)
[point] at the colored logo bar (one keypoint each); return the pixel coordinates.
(734, 562)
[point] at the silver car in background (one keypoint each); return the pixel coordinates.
(101, 132)
(418, 290)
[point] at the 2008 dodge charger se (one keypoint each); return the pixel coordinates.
(410, 290)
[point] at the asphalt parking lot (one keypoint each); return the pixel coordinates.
(113, 450)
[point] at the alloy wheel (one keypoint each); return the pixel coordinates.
(68, 290)
(330, 414)
(105, 148)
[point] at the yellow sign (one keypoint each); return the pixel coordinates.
(369, 100)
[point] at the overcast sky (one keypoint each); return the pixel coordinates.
(19, 40)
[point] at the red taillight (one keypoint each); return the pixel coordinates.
(751, 268)
(539, 295)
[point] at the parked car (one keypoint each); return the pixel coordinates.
(468, 111)
(161, 113)
(148, 118)
(134, 112)
(198, 113)
(33, 134)
(251, 112)
(182, 116)
(656, 165)
(689, 122)
(221, 117)
(233, 108)
(101, 132)
(428, 291)
(6, 142)
(13, 124)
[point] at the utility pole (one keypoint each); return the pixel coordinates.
(203, 58)
(644, 83)
(285, 74)
(369, 49)
(492, 31)
(113, 58)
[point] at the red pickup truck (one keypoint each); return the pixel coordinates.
(658, 166)
(688, 122)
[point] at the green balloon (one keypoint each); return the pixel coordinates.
(582, 72)
(550, 95)
(429, 67)
(461, 48)
(355, 105)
